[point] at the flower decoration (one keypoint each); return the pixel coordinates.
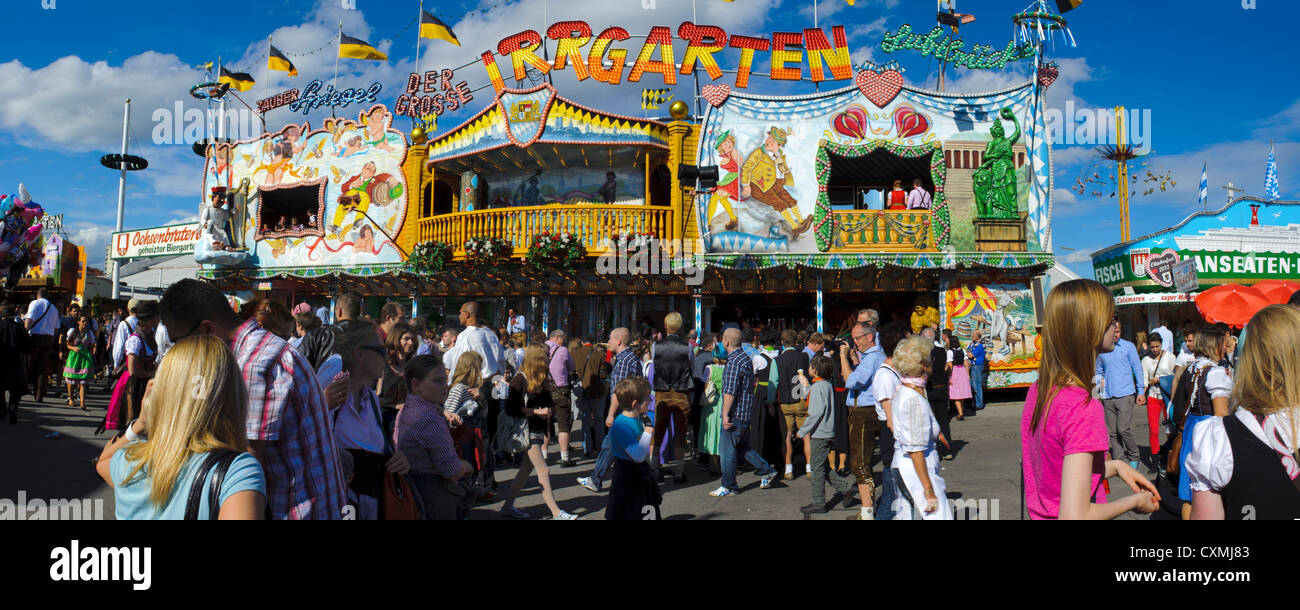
(555, 252)
(430, 257)
(485, 253)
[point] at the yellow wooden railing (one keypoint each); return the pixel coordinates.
(593, 224)
(885, 230)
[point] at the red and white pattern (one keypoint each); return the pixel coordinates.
(880, 88)
(1047, 75)
(716, 94)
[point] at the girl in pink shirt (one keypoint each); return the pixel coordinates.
(1063, 428)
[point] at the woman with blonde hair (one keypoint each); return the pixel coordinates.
(916, 435)
(189, 443)
(530, 398)
(466, 412)
(1063, 427)
(1244, 465)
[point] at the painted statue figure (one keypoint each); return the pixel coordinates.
(215, 220)
(995, 180)
(729, 186)
(376, 129)
(766, 168)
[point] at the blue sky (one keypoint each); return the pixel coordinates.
(1211, 73)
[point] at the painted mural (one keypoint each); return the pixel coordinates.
(1004, 315)
(340, 188)
(567, 186)
(775, 156)
(1246, 241)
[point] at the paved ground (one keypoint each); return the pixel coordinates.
(987, 468)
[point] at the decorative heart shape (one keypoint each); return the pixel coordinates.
(908, 122)
(880, 88)
(851, 123)
(716, 94)
(1047, 75)
(1160, 267)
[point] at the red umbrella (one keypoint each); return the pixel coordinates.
(1231, 304)
(1278, 292)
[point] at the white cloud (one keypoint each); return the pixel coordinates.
(93, 239)
(1078, 256)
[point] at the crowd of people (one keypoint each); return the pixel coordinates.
(302, 414)
(1225, 405)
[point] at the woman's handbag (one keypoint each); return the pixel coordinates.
(398, 501)
(512, 432)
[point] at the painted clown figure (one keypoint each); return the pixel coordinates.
(360, 191)
(765, 176)
(215, 220)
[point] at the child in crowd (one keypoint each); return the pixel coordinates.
(821, 425)
(634, 495)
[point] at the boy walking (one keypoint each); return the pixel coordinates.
(821, 426)
(634, 494)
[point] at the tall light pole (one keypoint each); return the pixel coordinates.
(124, 163)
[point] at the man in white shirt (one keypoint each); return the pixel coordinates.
(919, 198)
(42, 322)
(481, 340)
(515, 323)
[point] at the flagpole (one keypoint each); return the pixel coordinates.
(338, 54)
(266, 85)
(221, 113)
(418, 22)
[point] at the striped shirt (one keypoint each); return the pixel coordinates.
(422, 435)
(286, 410)
(738, 380)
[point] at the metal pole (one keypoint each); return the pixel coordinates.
(121, 195)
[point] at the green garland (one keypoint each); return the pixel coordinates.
(430, 257)
(555, 252)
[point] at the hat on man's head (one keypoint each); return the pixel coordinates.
(146, 310)
(778, 134)
(132, 305)
(218, 191)
(722, 137)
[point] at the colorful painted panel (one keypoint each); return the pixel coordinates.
(1004, 316)
(1246, 241)
(342, 187)
(777, 156)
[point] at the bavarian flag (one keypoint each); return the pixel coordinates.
(356, 48)
(239, 81)
(1067, 5)
(278, 61)
(432, 27)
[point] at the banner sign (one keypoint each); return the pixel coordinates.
(1185, 278)
(1154, 298)
(277, 100)
(660, 54)
(158, 241)
(445, 96)
(1160, 268)
(313, 98)
(52, 223)
(949, 50)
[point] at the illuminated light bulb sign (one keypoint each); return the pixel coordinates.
(312, 97)
(445, 97)
(950, 50)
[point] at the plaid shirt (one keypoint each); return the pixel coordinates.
(286, 410)
(626, 364)
(422, 435)
(738, 380)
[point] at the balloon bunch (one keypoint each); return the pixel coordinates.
(20, 235)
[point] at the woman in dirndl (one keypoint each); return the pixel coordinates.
(1201, 393)
(80, 366)
(959, 381)
(141, 363)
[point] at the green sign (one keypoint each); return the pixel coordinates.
(946, 49)
(1155, 267)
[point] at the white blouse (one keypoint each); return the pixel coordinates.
(1218, 383)
(915, 428)
(1153, 370)
(1210, 464)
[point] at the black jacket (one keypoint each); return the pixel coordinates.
(673, 365)
(318, 344)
